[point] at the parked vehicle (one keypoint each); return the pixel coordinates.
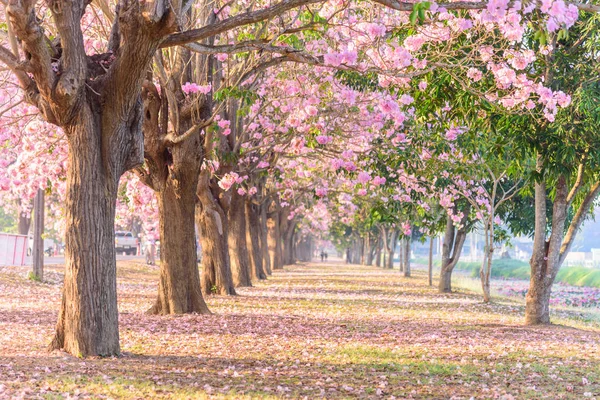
(126, 243)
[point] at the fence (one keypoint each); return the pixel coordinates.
(13, 249)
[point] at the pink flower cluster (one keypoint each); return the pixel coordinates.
(191, 88)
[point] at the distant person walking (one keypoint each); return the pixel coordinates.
(322, 256)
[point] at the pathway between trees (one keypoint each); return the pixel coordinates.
(319, 330)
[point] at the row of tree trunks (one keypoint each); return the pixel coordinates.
(304, 248)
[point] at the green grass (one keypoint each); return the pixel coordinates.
(515, 269)
(505, 268)
(579, 276)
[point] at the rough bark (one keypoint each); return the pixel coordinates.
(236, 239)
(179, 285)
(212, 223)
(88, 318)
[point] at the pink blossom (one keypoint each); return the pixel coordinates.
(311, 110)
(363, 177)
(321, 192)
(228, 180)
(324, 139)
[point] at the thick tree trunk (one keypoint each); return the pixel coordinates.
(179, 285)
(88, 321)
(211, 221)
(253, 240)
(100, 111)
(236, 239)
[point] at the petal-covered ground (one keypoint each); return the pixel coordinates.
(311, 331)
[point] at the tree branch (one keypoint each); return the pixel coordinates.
(578, 219)
(171, 139)
(251, 17)
(21, 15)
(578, 184)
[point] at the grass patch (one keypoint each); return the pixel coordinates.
(515, 269)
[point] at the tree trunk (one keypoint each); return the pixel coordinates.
(236, 239)
(378, 253)
(274, 239)
(38, 240)
(211, 221)
(401, 255)
(391, 249)
(100, 112)
(179, 289)
(430, 263)
(24, 221)
(264, 239)
(288, 244)
(543, 263)
(451, 250)
(88, 321)
(407, 257)
(253, 239)
(486, 264)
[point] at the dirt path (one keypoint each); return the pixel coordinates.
(311, 331)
